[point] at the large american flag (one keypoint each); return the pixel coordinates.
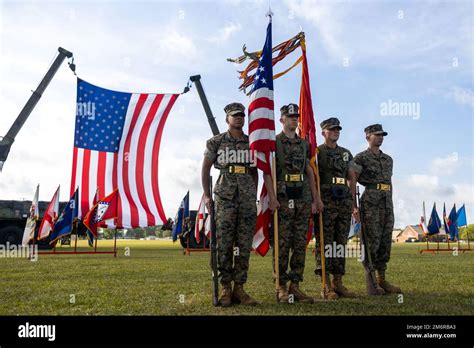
(262, 135)
(261, 108)
(116, 146)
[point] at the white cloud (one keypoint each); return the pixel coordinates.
(463, 96)
(371, 33)
(426, 182)
(225, 32)
(446, 165)
(327, 19)
(450, 164)
(174, 48)
(411, 192)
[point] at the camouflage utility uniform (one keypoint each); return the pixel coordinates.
(294, 213)
(294, 196)
(375, 173)
(334, 165)
(235, 207)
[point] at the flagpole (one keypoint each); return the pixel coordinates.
(115, 241)
(424, 224)
(305, 78)
(467, 232)
(357, 242)
(456, 227)
(321, 237)
(75, 239)
(438, 228)
(33, 245)
(275, 231)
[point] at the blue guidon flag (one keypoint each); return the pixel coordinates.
(434, 223)
(116, 146)
(181, 215)
(63, 225)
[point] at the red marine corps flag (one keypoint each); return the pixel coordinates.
(116, 146)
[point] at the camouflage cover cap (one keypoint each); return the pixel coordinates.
(375, 129)
(331, 123)
(290, 109)
(234, 109)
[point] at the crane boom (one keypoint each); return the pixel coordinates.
(7, 141)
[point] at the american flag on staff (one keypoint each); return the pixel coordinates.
(116, 146)
(262, 135)
(261, 108)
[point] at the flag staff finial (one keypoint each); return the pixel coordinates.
(269, 13)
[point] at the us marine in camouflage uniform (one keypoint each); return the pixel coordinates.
(374, 171)
(235, 203)
(336, 170)
(297, 199)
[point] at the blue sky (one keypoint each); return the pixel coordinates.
(361, 54)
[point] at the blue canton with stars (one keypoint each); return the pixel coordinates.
(264, 73)
(100, 117)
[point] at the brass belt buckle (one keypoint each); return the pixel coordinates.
(294, 177)
(339, 181)
(383, 187)
(239, 169)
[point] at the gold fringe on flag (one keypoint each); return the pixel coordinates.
(283, 49)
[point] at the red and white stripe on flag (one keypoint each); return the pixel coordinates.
(50, 215)
(131, 125)
(262, 127)
(262, 135)
(199, 223)
(261, 108)
(261, 242)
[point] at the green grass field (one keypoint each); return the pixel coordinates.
(157, 279)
